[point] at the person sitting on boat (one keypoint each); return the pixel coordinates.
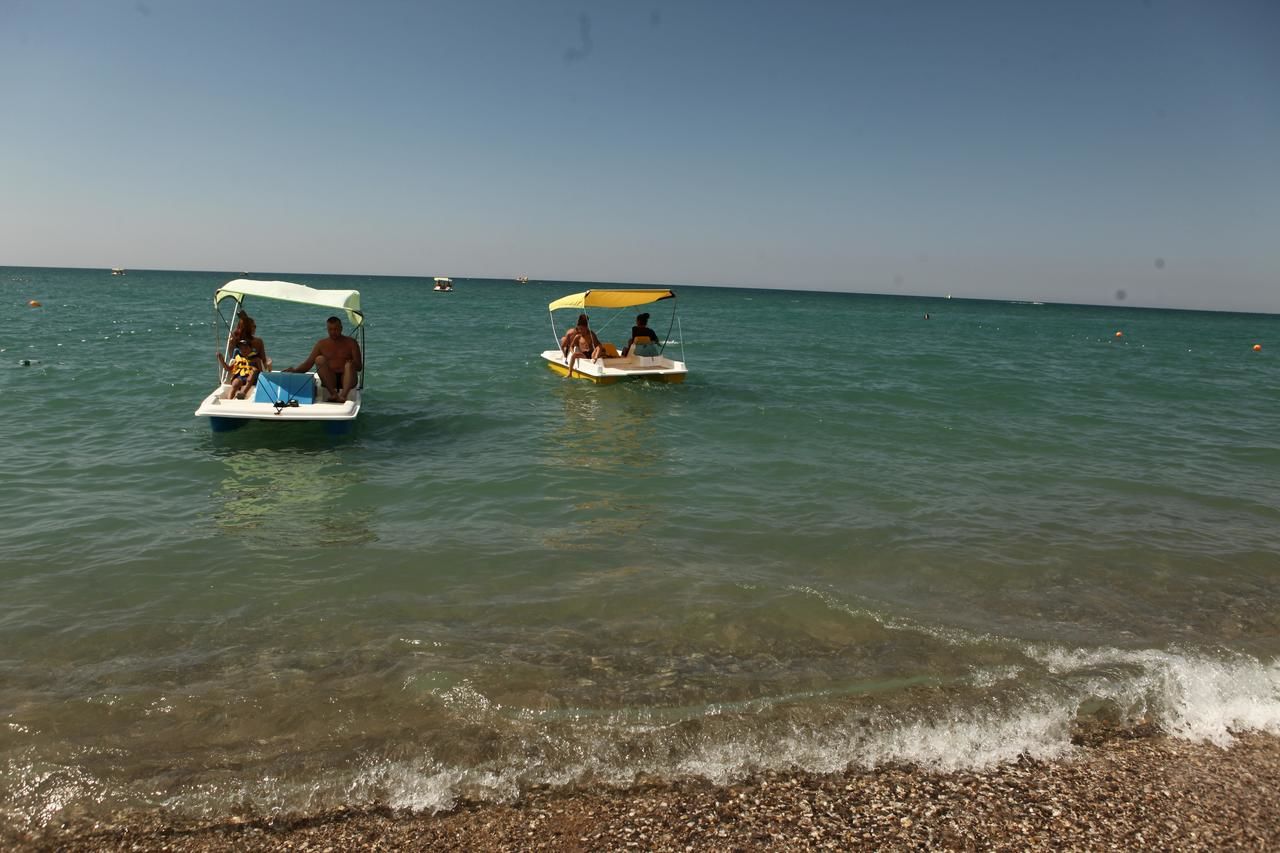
(571, 333)
(247, 330)
(243, 370)
(582, 342)
(337, 361)
(644, 339)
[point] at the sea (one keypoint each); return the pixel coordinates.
(867, 530)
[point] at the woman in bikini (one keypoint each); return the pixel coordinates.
(249, 350)
(582, 342)
(247, 330)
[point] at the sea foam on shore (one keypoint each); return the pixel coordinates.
(1129, 788)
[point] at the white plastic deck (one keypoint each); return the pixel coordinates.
(633, 366)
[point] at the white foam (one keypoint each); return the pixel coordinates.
(974, 741)
(995, 715)
(429, 786)
(1188, 695)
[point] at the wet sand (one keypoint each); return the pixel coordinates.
(1131, 789)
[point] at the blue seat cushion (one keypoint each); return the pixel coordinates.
(279, 387)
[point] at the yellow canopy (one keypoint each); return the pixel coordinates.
(610, 299)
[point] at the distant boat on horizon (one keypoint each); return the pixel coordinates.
(117, 270)
(522, 279)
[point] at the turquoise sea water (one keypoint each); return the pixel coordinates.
(854, 535)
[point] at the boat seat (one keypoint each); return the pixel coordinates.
(280, 387)
(645, 352)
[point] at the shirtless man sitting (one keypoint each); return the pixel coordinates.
(337, 361)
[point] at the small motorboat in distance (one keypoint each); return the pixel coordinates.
(278, 396)
(644, 361)
(117, 270)
(444, 285)
(522, 279)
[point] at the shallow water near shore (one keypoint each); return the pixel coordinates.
(853, 536)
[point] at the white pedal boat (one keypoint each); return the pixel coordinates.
(655, 365)
(280, 397)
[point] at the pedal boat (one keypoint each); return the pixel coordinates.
(642, 362)
(277, 396)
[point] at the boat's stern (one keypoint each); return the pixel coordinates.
(280, 398)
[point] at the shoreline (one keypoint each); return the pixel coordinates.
(1131, 788)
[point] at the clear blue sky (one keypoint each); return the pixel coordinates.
(1058, 151)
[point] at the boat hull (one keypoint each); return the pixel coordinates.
(227, 415)
(608, 371)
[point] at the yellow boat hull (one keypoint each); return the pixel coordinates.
(609, 371)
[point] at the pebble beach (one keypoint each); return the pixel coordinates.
(1121, 789)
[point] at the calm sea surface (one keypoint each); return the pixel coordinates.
(853, 536)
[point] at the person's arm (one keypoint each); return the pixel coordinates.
(306, 365)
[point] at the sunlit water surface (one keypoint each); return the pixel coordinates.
(855, 535)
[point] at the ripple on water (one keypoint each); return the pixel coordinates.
(935, 542)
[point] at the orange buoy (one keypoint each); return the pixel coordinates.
(34, 303)
(1119, 334)
(1257, 347)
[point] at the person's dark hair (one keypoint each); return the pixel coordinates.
(582, 319)
(642, 318)
(334, 320)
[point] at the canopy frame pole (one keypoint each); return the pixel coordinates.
(616, 314)
(364, 354)
(669, 327)
(225, 344)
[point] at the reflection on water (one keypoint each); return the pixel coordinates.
(613, 450)
(611, 429)
(293, 496)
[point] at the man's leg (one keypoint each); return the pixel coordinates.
(348, 381)
(328, 378)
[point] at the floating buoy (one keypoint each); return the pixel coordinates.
(1119, 334)
(1257, 347)
(34, 303)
